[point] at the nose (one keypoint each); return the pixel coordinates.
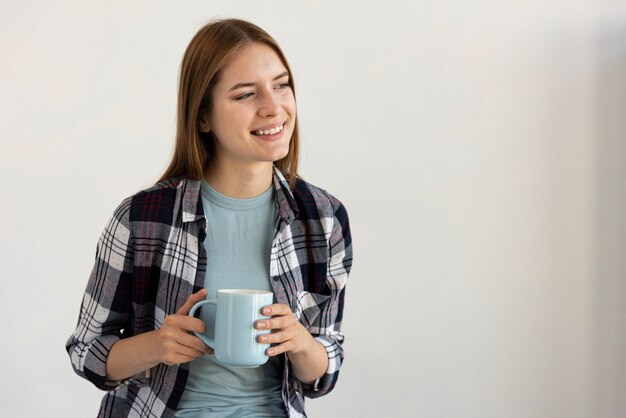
(269, 105)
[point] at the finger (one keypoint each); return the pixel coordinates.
(180, 354)
(280, 348)
(184, 350)
(275, 337)
(176, 359)
(192, 341)
(276, 322)
(192, 300)
(186, 323)
(276, 309)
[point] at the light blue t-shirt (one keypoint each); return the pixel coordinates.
(238, 244)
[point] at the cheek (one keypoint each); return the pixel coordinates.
(291, 103)
(290, 108)
(230, 120)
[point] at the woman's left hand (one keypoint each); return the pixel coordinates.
(288, 334)
(307, 356)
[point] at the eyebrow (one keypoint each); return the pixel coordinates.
(240, 85)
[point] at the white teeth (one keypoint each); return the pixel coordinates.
(270, 131)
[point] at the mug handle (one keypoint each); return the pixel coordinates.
(204, 338)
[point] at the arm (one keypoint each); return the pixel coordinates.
(326, 328)
(316, 352)
(97, 349)
(171, 344)
(105, 308)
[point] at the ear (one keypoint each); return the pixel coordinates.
(203, 124)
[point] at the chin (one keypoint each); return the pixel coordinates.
(279, 157)
(282, 151)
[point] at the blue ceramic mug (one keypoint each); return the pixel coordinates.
(235, 341)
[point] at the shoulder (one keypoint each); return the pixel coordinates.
(313, 198)
(155, 203)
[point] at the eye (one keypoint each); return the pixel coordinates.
(284, 86)
(244, 96)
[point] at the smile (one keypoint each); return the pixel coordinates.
(271, 131)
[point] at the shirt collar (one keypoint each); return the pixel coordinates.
(192, 202)
(287, 206)
(192, 208)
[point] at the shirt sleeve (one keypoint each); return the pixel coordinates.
(329, 320)
(104, 311)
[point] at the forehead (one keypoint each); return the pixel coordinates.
(255, 62)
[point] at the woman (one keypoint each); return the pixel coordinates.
(229, 212)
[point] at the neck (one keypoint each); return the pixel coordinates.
(240, 182)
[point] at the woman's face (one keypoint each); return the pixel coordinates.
(253, 109)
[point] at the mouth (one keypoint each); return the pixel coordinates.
(269, 131)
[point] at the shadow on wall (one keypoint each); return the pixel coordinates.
(610, 194)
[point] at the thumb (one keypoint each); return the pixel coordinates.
(192, 300)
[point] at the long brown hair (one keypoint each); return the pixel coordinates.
(209, 51)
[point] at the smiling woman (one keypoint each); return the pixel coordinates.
(251, 121)
(228, 62)
(230, 212)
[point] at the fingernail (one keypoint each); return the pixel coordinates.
(264, 338)
(271, 351)
(267, 311)
(261, 324)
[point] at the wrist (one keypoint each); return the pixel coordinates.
(151, 345)
(132, 355)
(311, 363)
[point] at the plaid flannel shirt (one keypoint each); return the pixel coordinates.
(150, 258)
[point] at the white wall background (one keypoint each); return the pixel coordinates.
(480, 148)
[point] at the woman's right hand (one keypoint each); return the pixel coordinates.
(174, 343)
